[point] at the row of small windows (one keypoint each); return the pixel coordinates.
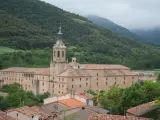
(58, 53)
(80, 85)
(116, 78)
(15, 79)
(80, 79)
(18, 74)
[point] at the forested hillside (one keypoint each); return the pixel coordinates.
(103, 22)
(32, 24)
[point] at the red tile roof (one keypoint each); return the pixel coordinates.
(85, 95)
(142, 109)
(103, 66)
(71, 102)
(96, 116)
(41, 71)
(3, 116)
(74, 72)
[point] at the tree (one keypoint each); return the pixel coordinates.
(119, 100)
(158, 77)
(12, 88)
(4, 105)
(111, 99)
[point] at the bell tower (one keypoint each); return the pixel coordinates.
(59, 54)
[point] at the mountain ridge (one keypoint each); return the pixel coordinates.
(108, 24)
(83, 38)
(149, 35)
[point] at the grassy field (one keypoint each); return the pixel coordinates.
(5, 49)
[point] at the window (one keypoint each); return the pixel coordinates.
(62, 92)
(80, 79)
(58, 54)
(80, 86)
(115, 83)
(86, 84)
(124, 78)
(62, 53)
(132, 77)
(124, 82)
(106, 83)
(72, 86)
(72, 79)
(106, 78)
(43, 84)
(87, 79)
(97, 74)
(97, 78)
(59, 86)
(97, 83)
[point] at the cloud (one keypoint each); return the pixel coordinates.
(132, 14)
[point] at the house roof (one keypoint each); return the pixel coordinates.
(70, 72)
(85, 95)
(103, 66)
(142, 109)
(41, 71)
(29, 111)
(4, 116)
(96, 116)
(54, 106)
(119, 72)
(71, 102)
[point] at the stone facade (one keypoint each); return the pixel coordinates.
(63, 77)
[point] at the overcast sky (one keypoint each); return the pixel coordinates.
(132, 14)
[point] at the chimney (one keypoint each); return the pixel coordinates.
(73, 60)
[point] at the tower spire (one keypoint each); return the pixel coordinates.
(59, 42)
(60, 30)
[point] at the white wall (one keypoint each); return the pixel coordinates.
(55, 98)
(80, 99)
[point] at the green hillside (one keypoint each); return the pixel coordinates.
(30, 24)
(5, 49)
(17, 33)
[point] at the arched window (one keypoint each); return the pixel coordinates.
(58, 54)
(62, 53)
